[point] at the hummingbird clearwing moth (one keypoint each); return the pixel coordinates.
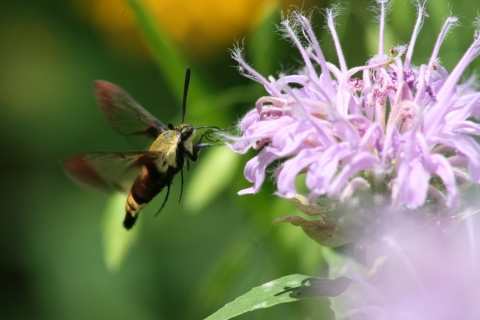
(143, 174)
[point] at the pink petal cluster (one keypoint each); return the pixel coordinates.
(387, 123)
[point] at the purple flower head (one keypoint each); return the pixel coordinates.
(402, 131)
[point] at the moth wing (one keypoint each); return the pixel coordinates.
(106, 170)
(123, 113)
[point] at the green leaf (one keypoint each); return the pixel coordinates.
(171, 63)
(337, 266)
(117, 240)
(213, 174)
(226, 273)
(264, 43)
(287, 289)
(216, 105)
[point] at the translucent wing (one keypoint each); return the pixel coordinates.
(107, 169)
(123, 113)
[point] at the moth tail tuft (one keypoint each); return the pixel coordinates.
(129, 221)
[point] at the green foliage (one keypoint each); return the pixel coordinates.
(179, 265)
(336, 265)
(117, 241)
(168, 59)
(213, 175)
(286, 289)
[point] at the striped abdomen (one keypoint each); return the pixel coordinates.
(147, 185)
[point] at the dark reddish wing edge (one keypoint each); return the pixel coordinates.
(106, 170)
(123, 113)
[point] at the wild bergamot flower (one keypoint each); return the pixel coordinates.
(402, 132)
(404, 136)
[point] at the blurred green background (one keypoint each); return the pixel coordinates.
(195, 256)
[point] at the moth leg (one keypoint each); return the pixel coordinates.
(164, 201)
(194, 155)
(181, 184)
(196, 150)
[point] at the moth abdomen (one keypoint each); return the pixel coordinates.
(147, 185)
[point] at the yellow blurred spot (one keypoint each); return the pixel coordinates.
(205, 26)
(201, 28)
(115, 20)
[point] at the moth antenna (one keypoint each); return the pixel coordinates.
(164, 201)
(185, 91)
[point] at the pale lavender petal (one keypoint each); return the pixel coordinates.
(413, 180)
(290, 169)
(443, 169)
(361, 161)
(249, 119)
(322, 171)
(468, 147)
(255, 170)
(292, 139)
(465, 127)
(240, 146)
(356, 183)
